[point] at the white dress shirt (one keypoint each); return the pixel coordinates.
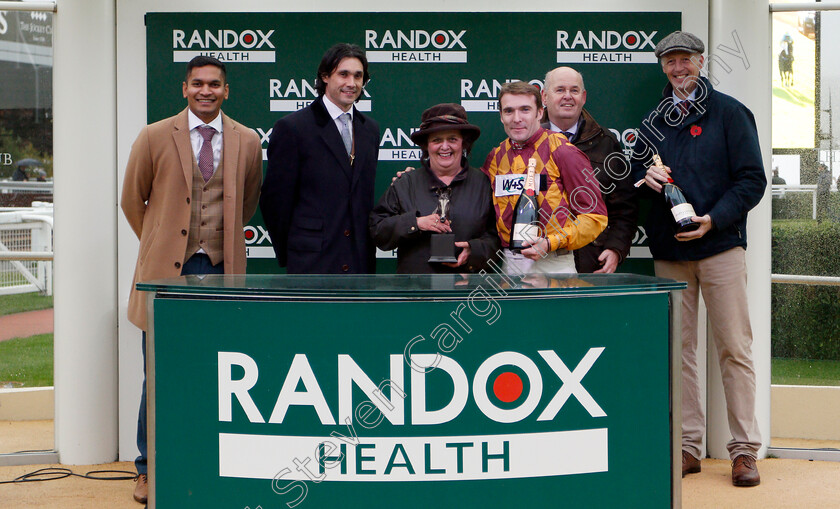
(572, 130)
(691, 97)
(334, 112)
(196, 140)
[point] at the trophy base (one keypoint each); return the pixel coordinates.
(442, 259)
(442, 248)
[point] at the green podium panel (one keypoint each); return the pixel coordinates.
(412, 391)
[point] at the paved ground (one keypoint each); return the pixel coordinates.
(70, 492)
(784, 483)
(16, 436)
(23, 325)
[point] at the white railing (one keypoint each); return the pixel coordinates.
(795, 279)
(27, 186)
(28, 6)
(828, 5)
(23, 194)
(26, 249)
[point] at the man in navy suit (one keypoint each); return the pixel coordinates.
(318, 189)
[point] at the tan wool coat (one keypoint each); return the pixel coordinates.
(156, 198)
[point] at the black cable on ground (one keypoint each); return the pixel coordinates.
(53, 473)
(131, 475)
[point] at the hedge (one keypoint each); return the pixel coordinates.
(805, 320)
(801, 205)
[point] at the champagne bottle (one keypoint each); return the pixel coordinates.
(525, 226)
(680, 208)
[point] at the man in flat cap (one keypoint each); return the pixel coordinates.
(709, 148)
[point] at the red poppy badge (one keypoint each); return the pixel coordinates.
(696, 130)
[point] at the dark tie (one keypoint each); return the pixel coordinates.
(567, 134)
(205, 154)
(685, 107)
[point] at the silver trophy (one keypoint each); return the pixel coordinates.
(443, 244)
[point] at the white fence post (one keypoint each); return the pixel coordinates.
(26, 230)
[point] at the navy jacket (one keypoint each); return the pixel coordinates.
(715, 159)
(314, 203)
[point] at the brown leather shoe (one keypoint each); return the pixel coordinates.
(691, 465)
(744, 471)
(141, 490)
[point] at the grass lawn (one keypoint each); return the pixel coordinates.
(20, 302)
(804, 372)
(27, 360)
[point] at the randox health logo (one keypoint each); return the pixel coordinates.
(246, 46)
(482, 95)
(510, 388)
(396, 145)
(606, 47)
(292, 94)
(437, 46)
(257, 242)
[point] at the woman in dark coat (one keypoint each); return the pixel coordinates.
(408, 214)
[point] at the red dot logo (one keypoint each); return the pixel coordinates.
(440, 39)
(630, 137)
(249, 234)
(507, 387)
(631, 39)
(247, 38)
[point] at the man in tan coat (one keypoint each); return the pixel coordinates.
(191, 183)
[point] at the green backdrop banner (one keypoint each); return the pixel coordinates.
(416, 60)
(317, 405)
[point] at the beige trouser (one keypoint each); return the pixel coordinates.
(723, 280)
(560, 261)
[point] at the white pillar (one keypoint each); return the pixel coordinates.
(746, 23)
(84, 149)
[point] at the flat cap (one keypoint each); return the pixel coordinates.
(679, 41)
